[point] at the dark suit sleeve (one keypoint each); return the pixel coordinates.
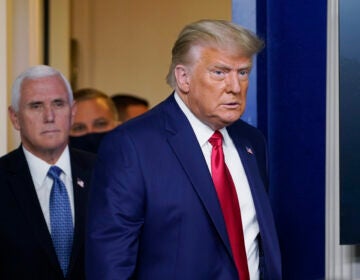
(116, 210)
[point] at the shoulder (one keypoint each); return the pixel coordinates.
(82, 157)
(143, 126)
(243, 129)
(12, 158)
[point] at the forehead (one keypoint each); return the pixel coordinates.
(42, 89)
(215, 55)
(96, 107)
(93, 104)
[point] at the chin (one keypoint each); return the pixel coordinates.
(232, 119)
(54, 144)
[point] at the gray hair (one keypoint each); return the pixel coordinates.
(216, 33)
(32, 73)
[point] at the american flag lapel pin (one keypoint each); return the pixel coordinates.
(80, 182)
(249, 150)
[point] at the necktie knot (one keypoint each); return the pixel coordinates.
(216, 139)
(54, 172)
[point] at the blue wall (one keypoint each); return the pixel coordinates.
(291, 112)
(244, 13)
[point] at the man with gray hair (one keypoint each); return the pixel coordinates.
(44, 184)
(181, 192)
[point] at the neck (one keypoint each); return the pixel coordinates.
(50, 156)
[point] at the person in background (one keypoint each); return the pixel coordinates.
(181, 192)
(129, 106)
(95, 112)
(44, 183)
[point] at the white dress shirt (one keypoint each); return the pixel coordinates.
(43, 183)
(232, 160)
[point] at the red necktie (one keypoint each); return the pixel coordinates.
(229, 203)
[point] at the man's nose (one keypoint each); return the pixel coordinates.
(233, 83)
(49, 114)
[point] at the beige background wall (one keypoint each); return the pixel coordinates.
(125, 46)
(4, 76)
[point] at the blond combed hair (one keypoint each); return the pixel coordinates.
(220, 34)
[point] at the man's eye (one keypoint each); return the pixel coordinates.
(101, 124)
(244, 74)
(59, 103)
(218, 74)
(35, 106)
(78, 127)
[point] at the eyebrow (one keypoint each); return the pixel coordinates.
(101, 119)
(59, 99)
(225, 66)
(34, 103)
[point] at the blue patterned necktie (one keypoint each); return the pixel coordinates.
(60, 219)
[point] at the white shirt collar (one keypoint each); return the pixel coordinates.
(202, 131)
(39, 168)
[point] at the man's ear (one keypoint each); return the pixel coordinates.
(14, 118)
(182, 75)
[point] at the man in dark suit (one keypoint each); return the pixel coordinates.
(42, 213)
(180, 192)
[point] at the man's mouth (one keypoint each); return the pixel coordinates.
(50, 131)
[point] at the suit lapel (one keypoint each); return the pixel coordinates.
(185, 145)
(23, 188)
(247, 155)
(80, 178)
(248, 158)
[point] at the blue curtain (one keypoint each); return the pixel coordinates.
(294, 120)
(291, 103)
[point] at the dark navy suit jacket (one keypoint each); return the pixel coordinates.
(153, 210)
(26, 249)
